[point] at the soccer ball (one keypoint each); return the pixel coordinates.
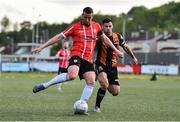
(80, 107)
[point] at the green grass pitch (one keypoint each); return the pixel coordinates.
(140, 99)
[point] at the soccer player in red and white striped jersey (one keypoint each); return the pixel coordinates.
(84, 43)
(63, 56)
(84, 34)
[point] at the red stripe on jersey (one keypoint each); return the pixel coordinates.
(84, 39)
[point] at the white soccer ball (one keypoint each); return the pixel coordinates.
(80, 107)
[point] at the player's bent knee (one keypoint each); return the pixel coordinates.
(72, 77)
(91, 83)
(115, 94)
(114, 90)
(104, 86)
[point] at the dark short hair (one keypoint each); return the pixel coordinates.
(107, 20)
(88, 10)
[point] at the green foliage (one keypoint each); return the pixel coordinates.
(55, 49)
(163, 18)
(5, 22)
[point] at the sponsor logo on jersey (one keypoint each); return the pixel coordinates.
(89, 38)
(75, 60)
(100, 68)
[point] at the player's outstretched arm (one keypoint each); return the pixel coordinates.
(130, 53)
(108, 42)
(51, 41)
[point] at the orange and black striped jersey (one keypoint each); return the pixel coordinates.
(106, 55)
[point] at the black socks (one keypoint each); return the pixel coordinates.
(100, 95)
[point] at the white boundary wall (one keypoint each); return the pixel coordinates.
(160, 69)
(53, 67)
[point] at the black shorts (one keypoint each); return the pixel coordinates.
(111, 72)
(84, 66)
(62, 70)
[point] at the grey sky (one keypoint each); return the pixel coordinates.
(66, 10)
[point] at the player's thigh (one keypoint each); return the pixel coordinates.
(103, 81)
(73, 71)
(89, 77)
(73, 68)
(114, 89)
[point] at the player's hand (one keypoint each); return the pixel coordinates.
(36, 50)
(120, 54)
(135, 61)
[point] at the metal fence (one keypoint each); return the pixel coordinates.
(143, 58)
(154, 58)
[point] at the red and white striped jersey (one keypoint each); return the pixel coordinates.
(84, 39)
(63, 55)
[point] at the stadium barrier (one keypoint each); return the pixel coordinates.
(122, 68)
(15, 67)
(131, 69)
(160, 69)
(44, 66)
(25, 67)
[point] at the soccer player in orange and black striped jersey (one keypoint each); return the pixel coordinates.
(106, 63)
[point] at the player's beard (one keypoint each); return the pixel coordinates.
(85, 23)
(108, 33)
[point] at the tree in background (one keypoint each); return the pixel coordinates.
(5, 23)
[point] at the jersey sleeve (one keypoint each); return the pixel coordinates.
(121, 40)
(68, 31)
(100, 33)
(99, 30)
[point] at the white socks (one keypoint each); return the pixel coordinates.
(88, 89)
(58, 79)
(58, 87)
